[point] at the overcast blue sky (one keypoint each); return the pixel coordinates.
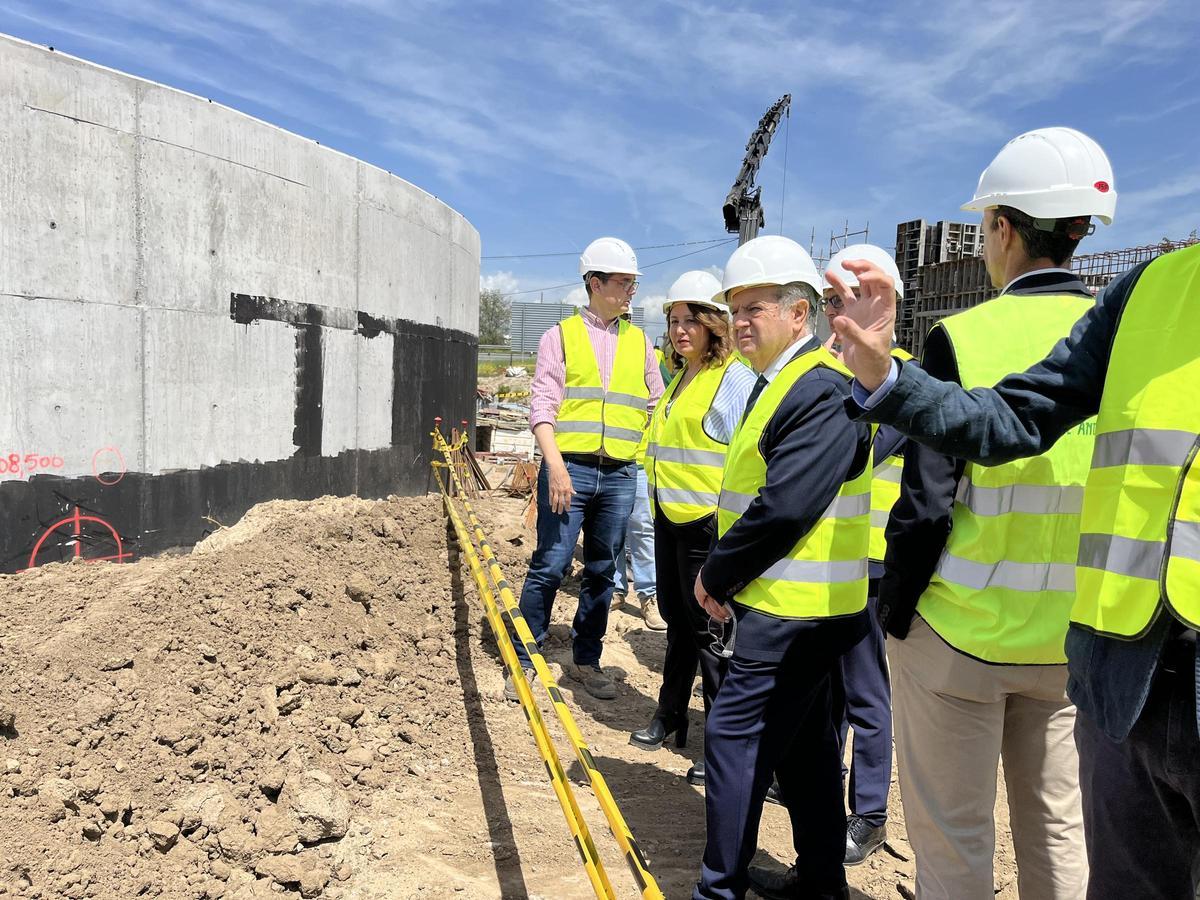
(550, 123)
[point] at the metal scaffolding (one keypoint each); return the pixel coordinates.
(919, 245)
(944, 288)
(1096, 270)
(837, 242)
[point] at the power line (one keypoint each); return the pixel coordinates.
(576, 252)
(554, 287)
(693, 253)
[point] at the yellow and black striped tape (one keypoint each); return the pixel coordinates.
(584, 844)
(633, 855)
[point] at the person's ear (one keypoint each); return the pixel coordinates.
(1004, 231)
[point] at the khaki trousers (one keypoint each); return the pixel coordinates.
(954, 718)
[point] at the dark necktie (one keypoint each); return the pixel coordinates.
(758, 389)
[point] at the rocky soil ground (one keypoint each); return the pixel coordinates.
(310, 705)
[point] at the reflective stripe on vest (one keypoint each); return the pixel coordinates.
(825, 572)
(590, 418)
(885, 489)
(1140, 543)
(1005, 584)
(683, 464)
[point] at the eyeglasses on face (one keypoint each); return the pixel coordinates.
(628, 286)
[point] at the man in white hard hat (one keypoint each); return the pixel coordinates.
(787, 576)
(1133, 359)
(979, 578)
(862, 695)
(594, 387)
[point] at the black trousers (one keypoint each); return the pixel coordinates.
(679, 552)
(773, 719)
(1141, 796)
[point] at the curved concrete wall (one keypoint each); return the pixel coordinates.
(202, 311)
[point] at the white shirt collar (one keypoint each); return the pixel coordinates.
(1008, 286)
(785, 357)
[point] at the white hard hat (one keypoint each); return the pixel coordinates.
(1049, 173)
(695, 287)
(771, 259)
(609, 255)
(870, 253)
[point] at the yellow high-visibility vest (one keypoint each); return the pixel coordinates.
(1005, 583)
(885, 489)
(590, 418)
(683, 464)
(1139, 550)
(825, 573)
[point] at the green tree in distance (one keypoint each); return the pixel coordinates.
(494, 313)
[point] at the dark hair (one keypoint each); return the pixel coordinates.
(587, 280)
(720, 339)
(1054, 239)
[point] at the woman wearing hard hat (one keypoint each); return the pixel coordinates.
(689, 434)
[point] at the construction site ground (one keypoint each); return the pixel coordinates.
(308, 704)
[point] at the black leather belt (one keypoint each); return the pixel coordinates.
(595, 459)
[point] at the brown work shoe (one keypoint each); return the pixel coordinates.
(595, 681)
(510, 688)
(618, 600)
(650, 614)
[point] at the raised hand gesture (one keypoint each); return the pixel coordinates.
(865, 324)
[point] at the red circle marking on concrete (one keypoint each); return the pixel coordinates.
(96, 466)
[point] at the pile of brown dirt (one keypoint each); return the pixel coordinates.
(205, 725)
(309, 705)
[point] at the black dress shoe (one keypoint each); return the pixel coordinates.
(695, 775)
(786, 885)
(773, 794)
(652, 736)
(862, 839)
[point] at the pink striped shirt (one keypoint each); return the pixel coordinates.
(550, 374)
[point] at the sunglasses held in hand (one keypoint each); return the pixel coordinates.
(721, 645)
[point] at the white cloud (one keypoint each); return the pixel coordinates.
(1156, 112)
(576, 297)
(653, 307)
(504, 282)
(417, 85)
(1179, 185)
(1167, 209)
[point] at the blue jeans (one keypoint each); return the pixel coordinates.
(639, 541)
(600, 507)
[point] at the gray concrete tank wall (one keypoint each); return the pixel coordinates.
(201, 310)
